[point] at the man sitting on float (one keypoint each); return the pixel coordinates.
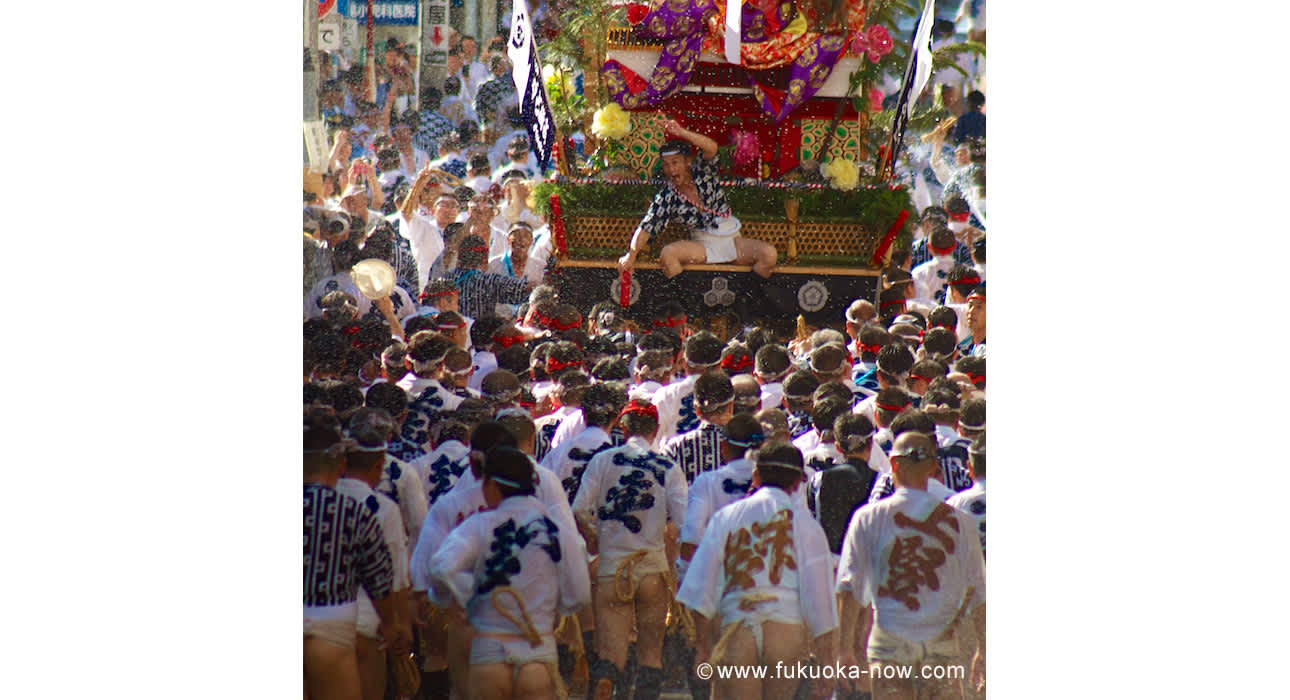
(694, 196)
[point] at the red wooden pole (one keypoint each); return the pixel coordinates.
(887, 240)
(557, 225)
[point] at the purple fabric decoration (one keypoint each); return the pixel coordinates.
(681, 25)
(807, 74)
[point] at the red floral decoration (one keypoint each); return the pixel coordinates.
(636, 13)
(879, 42)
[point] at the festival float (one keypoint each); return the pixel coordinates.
(790, 92)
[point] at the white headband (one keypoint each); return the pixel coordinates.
(504, 481)
(512, 411)
(426, 365)
(781, 465)
(365, 448)
(703, 406)
(334, 450)
(507, 396)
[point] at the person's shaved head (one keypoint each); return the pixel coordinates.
(913, 460)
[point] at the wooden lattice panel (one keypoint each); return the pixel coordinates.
(614, 233)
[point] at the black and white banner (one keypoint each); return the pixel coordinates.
(917, 73)
(527, 74)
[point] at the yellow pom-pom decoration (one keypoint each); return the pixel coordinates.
(842, 174)
(611, 122)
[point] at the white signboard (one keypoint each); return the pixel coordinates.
(349, 34)
(329, 35)
(316, 146)
(435, 32)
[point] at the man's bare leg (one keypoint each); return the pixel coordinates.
(652, 599)
(891, 688)
(460, 638)
(490, 682)
(915, 688)
(435, 679)
(534, 682)
(677, 254)
(784, 643)
(740, 651)
(760, 254)
(371, 667)
(331, 671)
(614, 621)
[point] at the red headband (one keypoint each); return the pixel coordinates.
(351, 329)
(431, 295)
(896, 409)
(870, 349)
(923, 379)
(734, 365)
(971, 279)
(974, 378)
(960, 217)
(893, 302)
(450, 326)
(507, 340)
(639, 407)
(557, 326)
(553, 365)
(976, 295)
(671, 322)
(941, 251)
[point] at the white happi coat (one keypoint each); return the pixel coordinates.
(402, 484)
(795, 567)
(772, 395)
(570, 458)
(520, 545)
(714, 490)
(464, 500)
(676, 414)
(807, 441)
(441, 468)
(395, 538)
(930, 278)
(913, 558)
(630, 493)
(972, 502)
(570, 426)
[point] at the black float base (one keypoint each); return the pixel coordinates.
(821, 295)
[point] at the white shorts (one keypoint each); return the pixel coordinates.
(607, 570)
(332, 623)
(510, 649)
(369, 621)
(720, 249)
(885, 647)
(719, 241)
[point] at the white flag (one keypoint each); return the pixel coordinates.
(734, 30)
(922, 49)
(520, 46)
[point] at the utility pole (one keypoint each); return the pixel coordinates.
(311, 110)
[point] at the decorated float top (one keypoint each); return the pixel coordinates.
(789, 51)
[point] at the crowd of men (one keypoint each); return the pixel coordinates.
(507, 495)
